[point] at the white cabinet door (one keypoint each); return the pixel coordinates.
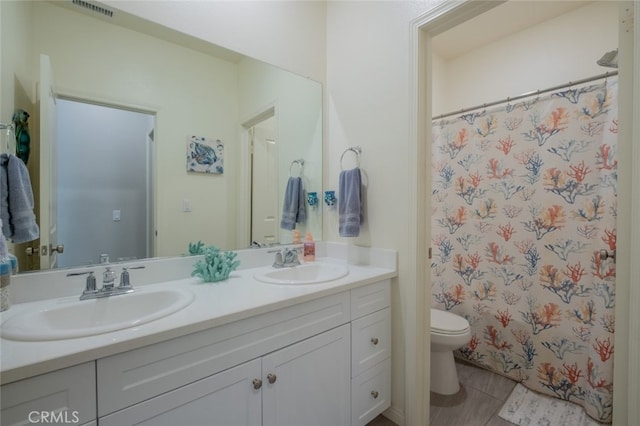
(308, 383)
(67, 395)
(228, 398)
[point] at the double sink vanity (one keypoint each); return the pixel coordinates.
(305, 345)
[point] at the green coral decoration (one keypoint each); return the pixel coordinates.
(196, 248)
(216, 265)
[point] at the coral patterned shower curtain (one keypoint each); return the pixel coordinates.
(524, 198)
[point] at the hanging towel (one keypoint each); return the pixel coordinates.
(16, 201)
(293, 210)
(350, 212)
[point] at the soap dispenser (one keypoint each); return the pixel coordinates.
(309, 248)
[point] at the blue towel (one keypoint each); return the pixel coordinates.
(293, 209)
(350, 212)
(16, 201)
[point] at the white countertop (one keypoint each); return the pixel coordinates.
(215, 304)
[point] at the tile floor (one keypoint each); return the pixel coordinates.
(482, 394)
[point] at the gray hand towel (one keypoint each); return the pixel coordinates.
(350, 211)
(16, 201)
(294, 207)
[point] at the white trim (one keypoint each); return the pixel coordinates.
(416, 355)
(633, 374)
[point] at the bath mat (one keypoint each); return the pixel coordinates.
(525, 407)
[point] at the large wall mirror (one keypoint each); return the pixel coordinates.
(261, 120)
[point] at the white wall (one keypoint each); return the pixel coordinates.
(552, 53)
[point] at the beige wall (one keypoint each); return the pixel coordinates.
(103, 62)
(552, 53)
(288, 34)
(299, 131)
(191, 93)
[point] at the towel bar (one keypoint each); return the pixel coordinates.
(299, 162)
(355, 149)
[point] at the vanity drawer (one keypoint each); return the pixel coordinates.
(370, 298)
(69, 395)
(371, 393)
(370, 340)
(131, 377)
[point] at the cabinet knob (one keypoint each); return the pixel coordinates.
(374, 340)
(271, 378)
(374, 394)
(257, 383)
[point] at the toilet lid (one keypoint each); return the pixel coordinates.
(448, 323)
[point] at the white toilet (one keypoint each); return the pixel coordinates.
(448, 333)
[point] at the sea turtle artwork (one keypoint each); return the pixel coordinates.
(205, 155)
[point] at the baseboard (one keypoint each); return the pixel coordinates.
(395, 415)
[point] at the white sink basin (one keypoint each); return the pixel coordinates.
(308, 273)
(67, 320)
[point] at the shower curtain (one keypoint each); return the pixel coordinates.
(524, 200)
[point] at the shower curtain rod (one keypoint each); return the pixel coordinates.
(525, 95)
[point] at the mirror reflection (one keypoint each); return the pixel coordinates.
(252, 118)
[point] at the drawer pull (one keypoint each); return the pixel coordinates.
(271, 378)
(257, 383)
(374, 394)
(374, 340)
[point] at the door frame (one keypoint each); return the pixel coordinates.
(151, 202)
(627, 376)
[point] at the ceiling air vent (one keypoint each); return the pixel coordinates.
(94, 7)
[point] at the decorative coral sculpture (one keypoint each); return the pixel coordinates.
(216, 265)
(196, 248)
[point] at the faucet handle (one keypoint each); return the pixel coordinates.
(90, 285)
(124, 279)
(278, 263)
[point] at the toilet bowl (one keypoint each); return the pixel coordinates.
(448, 333)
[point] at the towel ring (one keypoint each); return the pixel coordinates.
(355, 149)
(299, 162)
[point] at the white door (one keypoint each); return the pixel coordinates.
(264, 186)
(47, 219)
(309, 383)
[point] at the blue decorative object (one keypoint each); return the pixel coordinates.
(330, 198)
(312, 199)
(216, 265)
(196, 248)
(23, 139)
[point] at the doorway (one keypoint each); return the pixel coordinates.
(446, 16)
(264, 181)
(104, 197)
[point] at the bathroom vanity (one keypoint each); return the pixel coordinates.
(244, 352)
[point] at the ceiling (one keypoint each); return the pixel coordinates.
(507, 18)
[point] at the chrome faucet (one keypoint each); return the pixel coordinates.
(108, 284)
(286, 257)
